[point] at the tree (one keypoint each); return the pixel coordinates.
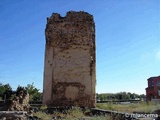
(34, 93)
(102, 97)
(5, 91)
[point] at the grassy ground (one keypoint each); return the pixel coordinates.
(44, 116)
(72, 114)
(77, 114)
(149, 107)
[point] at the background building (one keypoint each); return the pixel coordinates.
(153, 89)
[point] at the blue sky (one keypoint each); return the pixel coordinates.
(127, 41)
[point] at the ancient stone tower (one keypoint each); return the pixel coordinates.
(69, 73)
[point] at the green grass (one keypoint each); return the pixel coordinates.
(76, 113)
(72, 114)
(43, 116)
(149, 107)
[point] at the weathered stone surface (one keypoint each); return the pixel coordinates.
(21, 101)
(69, 73)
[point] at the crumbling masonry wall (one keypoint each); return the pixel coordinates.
(69, 73)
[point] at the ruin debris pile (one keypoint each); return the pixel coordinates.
(21, 101)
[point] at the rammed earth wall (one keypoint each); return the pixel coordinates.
(69, 72)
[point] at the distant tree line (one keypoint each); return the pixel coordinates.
(6, 92)
(121, 96)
